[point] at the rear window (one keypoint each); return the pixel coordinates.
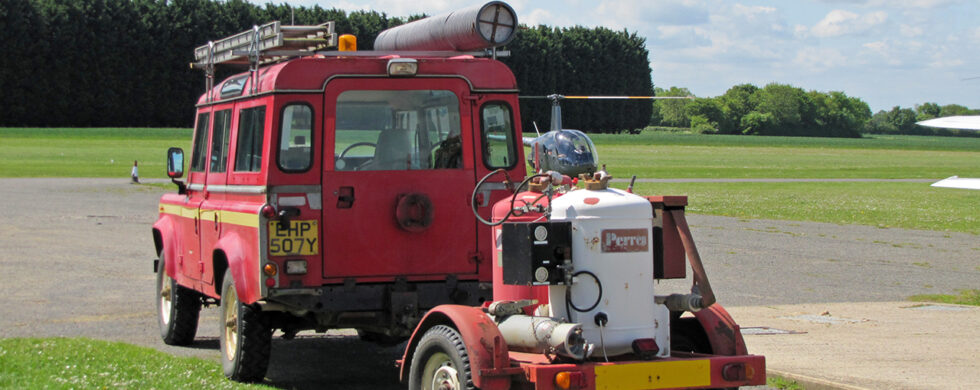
(296, 138)
(499, 142)
(397, 130)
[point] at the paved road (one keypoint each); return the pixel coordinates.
(76, 260)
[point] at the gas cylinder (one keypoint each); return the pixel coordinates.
(534, 200)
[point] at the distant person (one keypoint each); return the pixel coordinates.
(136, 172)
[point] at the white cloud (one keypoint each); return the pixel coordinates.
(537, 16)
(840, 22)
(896, 3)
(910, 31)
(819, 58)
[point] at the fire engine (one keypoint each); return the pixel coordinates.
(386, 191)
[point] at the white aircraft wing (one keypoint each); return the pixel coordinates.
(965, 122)
(958, 182)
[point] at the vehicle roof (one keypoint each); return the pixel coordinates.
(310, 74)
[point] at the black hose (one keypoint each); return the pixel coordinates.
(568, 294)
(513, 198)
(473, 199)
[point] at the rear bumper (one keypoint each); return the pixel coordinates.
(693, 372)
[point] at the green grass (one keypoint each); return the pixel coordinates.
(882, 204)
(966, 297)
(77, 363)
(783, 383)
(658, 155)
(90, 152)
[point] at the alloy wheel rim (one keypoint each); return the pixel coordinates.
(231, 324)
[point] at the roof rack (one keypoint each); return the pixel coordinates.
(268, 43)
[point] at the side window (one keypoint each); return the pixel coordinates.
(499, 143)
(199, 156)
(248, 153)
(296, 138)
(219, 141)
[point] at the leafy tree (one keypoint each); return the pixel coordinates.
(673, 112)
(758, 123)
(736, 103)
(708, 109)
(956, 109)
(927, 111)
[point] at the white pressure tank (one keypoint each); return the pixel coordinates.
(611, 239)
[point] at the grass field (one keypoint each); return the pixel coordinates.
(110, 152)
(91, 152)
(61, 363)
(903, 205)
(660, 155)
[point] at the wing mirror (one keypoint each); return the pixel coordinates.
(175, 163)
(175, 168)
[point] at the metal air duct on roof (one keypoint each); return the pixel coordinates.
(475, 28)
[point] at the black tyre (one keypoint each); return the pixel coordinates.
(178, 308)
(246, 338)
(440, 361)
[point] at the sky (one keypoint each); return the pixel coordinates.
(886, 52)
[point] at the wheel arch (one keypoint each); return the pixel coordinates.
(165, 243)
(723, 333)
(230, 252)
(485, 345)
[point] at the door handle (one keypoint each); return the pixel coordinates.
(345, 197)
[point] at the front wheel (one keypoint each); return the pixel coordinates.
(178, 308)
(246, 338)
(440, 361)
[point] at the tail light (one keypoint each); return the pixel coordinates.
(567, 380)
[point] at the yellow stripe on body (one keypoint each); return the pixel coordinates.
(653, 375)
(232, 217)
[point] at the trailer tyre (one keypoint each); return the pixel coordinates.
(440, 361)
(246, 338)
(178, 308)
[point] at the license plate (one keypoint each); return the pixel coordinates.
(653, 375)
(300, 238)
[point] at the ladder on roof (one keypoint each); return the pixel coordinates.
(268, 43)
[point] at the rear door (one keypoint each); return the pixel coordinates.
(396, 189)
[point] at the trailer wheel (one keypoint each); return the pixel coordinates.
(178, 308)
(246, 338)
(440, 361)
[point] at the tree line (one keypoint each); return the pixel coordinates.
(779, 109)
(125, 62)
(900, 120)
(776, 109)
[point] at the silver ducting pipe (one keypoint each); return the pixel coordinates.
(475, 28)
(680, 302)
(544, 335)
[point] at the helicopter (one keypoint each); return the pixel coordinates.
(567, 151)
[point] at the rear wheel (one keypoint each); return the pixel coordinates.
(440, 361)
(178, 308)
(246, 338)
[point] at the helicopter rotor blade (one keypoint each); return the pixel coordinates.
(602, 97)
